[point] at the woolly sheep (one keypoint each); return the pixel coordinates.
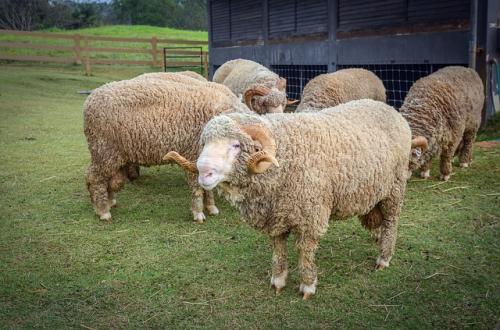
(444, 114)
(331, 89)
(263, 91)
(129, 122)
(326, 164)
(132, 171)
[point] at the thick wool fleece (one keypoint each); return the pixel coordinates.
(330, 165)
(331, 89)
(445, 107)
(138, 122)
(173, 76)
(240, 75)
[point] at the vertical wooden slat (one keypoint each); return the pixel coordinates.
(78, 58)
(154, 50)
(205, 65)
(88, 69)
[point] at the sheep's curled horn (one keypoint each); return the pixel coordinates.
(187, 165)
(419, 141)
(250, 93)
(258, 162)
(261, 160)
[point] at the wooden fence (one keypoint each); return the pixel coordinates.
(83, 50)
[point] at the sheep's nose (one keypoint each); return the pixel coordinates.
(208, 174)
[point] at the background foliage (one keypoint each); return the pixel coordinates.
(73, 14)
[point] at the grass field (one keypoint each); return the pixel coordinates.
(152, 267)
(124, 31)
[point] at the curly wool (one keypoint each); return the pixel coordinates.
(133, 122)
(445, 107)
(330, 166)
(240, 75)
(331, 89)
(173, 76)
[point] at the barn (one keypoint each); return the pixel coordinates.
(400, 40)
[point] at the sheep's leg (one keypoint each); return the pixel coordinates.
(116, 184)
(280, 264)
(98, 189)
(425, 170)
(465, 155)
(210, 202)
(197, 205)
(447, 154)
(133, 171)
(307, 247)
(390, 209)
(196, 198)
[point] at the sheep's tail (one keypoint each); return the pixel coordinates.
(373, 219)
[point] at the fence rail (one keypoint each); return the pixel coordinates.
(83, 49)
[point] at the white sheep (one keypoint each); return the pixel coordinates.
(326, 163)
(130, 123)
(331, 89)
(263, 91)
(444, 114)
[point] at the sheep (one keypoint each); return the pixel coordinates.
(326, 164)
(331, 89)
(263, 91)
(186, 77)
(444, 114)
(134, 123)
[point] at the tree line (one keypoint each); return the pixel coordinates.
(29, 15)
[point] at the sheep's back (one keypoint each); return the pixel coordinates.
(349, 156)
(449, 100)
(142, 122)
(331, 89)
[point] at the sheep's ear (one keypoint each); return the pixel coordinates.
(282, 84)
(291, 102)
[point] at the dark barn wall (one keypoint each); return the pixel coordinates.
(335, 34)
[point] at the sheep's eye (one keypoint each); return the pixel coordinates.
(235, 146)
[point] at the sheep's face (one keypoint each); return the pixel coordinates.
(274, 102)
(419, 153)
(233, 150)
(217, 161)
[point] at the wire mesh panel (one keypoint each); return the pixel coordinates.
(297, 76)
(398, 78)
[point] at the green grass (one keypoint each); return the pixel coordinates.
(124, 31)
(152, 267)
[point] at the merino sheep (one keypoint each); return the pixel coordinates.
(331, 89)
(444, 113)
(129, 123)
(263, 91)
(326, 164)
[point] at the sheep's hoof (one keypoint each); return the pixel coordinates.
(212, 210)
(381, 264)
(112, 203)
(444, 177)
(199, 217)
(307, 296)
(464, 165)
(278, 282)
(105, 216)
(308, 290)
(425, 174)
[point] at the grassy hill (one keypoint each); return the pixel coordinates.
(125, 31)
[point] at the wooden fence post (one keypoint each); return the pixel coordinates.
(88, 69)
(154, 50)
(205, 65)
(78, 58)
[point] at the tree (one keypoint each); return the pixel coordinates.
(152, 12)
(20, 14)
